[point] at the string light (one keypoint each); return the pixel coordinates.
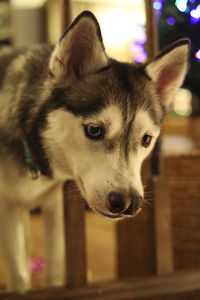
(181, 5)
(171, 21)
(140, 57)
(195, 13)
(193, 21)
(197, 55)
(157, 5)
(137, 47)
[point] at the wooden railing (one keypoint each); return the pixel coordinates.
(76, 265)
(158, 183)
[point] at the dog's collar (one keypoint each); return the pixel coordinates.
(33, 169)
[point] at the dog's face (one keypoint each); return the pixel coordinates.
(109, 116)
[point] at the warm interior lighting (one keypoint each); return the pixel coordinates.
(27, 3)
(122, 22)
(182, 104)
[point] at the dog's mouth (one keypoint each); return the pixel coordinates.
(108, 215)
(126, 213)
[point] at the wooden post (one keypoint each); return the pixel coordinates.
(66, 13)
(73, 207)
(148, 236)
(152, 35)
(75, 236)
(163, 226)
(162, 205)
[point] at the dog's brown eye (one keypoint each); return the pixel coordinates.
(146, 140)
(94, 132)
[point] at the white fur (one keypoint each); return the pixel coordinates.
(88, 159)
(111, 117)
(142, 125)
(111, 166)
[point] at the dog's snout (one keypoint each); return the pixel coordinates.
(115, 202)
(136, 203)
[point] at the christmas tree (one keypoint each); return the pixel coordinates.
(180, 19)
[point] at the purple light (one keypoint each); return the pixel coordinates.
(197, 54)
(140, 57)
(171, 21)
(192, 1)
(193, 21)
(195, 15)
(140, 37)
(157, 5)
(136, 48)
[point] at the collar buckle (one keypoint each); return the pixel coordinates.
(34, 172)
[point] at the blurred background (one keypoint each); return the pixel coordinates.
(26, 22)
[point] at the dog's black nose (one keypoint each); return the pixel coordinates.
(116, 202)
(136, 203)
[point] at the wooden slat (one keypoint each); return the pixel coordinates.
(152, 35)
(66, 13)
(162, 208)
(136, 246)
(75, 236)
(179, 286)
(163, 226)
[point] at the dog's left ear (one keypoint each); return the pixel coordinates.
(168, 70)
(80, 50)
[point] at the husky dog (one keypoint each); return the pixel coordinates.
(73, 113)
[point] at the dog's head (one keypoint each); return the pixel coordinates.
(108, 115)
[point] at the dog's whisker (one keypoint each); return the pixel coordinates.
(149, 199)
(141, 215)
(74, 189)
(149, 192)
(148, 204)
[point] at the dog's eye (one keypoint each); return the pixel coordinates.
(146, 140)
(94, 132)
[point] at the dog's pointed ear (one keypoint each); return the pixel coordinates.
(168, 70)
(80, 50)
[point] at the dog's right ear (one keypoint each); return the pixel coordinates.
(80, 50)
(168, 69)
